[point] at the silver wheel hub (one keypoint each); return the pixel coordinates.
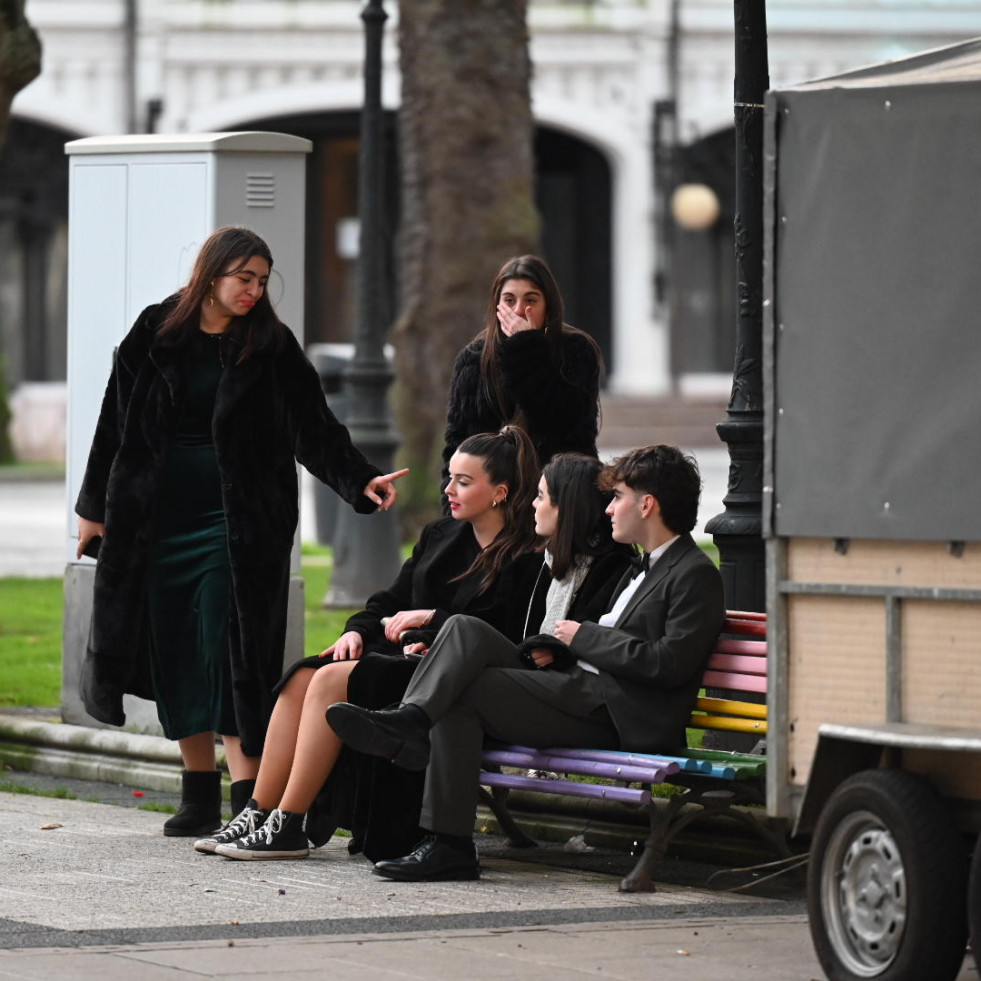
(863, 892)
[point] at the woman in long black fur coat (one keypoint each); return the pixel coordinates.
(527, 367)
(482, 561)
(191, 484)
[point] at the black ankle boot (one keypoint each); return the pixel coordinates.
(241, 794)
(200, 810)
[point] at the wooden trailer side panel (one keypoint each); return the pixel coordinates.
(850, 661)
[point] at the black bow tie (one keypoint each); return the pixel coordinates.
(641, 563)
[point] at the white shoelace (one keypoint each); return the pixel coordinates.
(273, 825)
(243, 825)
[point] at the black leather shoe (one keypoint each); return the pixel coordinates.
(432, 861)
(393, 734)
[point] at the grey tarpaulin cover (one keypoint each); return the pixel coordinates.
(873, 334)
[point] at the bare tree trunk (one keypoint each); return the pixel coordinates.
(20, 57)
(465, 132)
(20, 64)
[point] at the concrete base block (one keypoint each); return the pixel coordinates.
(141, 715)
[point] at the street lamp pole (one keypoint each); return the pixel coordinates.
(738, 530)
(366, 547)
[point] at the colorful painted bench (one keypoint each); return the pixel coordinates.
(715, 780)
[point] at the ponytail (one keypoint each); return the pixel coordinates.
(508, 457)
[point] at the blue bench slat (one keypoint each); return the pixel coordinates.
(688, 765)
(627, 795)
(653, 773)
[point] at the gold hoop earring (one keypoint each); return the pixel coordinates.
(211, 295)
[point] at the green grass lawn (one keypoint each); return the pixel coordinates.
(30, 641)
(31, 630)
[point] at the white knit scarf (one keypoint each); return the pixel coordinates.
(562, 591)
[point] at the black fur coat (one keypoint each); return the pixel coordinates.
(555, 398)
(269, 412)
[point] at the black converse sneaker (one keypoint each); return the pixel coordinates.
(253, 816)
(281, 836)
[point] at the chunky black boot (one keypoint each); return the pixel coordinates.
(240, 795)
(200, 810)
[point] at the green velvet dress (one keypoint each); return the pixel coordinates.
(189, 587)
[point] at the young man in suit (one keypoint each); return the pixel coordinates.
(627, 682)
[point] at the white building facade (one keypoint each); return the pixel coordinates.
(601, 70)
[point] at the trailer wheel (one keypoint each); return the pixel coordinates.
(886, 885)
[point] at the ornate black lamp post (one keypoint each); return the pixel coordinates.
(738, 530)
(366, 547)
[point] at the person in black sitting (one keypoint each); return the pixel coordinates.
(627, 682)
(481, 561)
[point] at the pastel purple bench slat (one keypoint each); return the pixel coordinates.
(585, 768)
(605, 756)
(626, 795)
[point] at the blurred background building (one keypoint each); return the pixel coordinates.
(632, 100)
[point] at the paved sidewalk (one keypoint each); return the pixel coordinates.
(94, 891)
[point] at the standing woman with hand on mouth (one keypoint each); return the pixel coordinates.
(191, 487)
(527, 367)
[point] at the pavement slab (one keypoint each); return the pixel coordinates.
(104, 895)
(77, 866)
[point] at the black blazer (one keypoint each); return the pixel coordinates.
(650, 664)
(421, 584)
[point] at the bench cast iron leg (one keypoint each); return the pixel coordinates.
(641, 877)
(497, 801)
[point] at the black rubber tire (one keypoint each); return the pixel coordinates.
(887, 882)
(974, 904)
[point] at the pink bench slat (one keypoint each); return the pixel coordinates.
(752, 648)
(741, 665)
(736, 682)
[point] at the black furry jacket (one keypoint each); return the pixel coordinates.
(556, 399)
(270, 412)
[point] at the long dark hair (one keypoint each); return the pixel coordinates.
(508, 457)
(224, 253)
(582, 527)
(536, 271)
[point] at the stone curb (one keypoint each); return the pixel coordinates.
(63, 750)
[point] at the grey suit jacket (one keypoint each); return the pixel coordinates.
(650, 664)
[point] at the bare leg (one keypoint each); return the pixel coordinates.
(198, 751)
(240, 766)
(317, 747)
(280, 742)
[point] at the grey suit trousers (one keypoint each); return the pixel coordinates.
(472, 684)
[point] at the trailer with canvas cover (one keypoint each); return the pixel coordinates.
(872, 511)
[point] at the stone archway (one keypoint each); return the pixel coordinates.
(331, 232)
(33, 251)
(573, 188)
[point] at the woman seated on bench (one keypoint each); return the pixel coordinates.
(481, 561)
